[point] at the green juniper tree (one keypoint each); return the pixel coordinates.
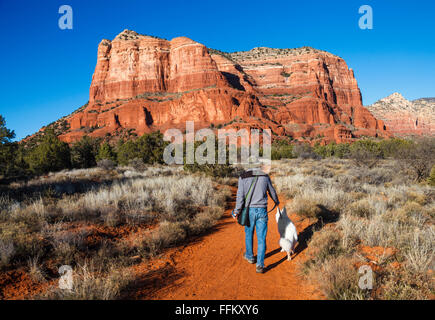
(7, 148)
(49, 155)
(106, 152)
(84, 152)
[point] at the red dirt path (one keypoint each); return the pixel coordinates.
(213, 268)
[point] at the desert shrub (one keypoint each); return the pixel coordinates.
(366, 153)
(326, 244)
(50, 154)
(72, 229)
(282, 149)
(8, 159)
(204, 220)
(7, 148)
(361, 208)
(420, 254)
(331, 264)
(333, 150)
(137, 164)
(307, 208)
(90, 284)
(36, 270)
(327, 203)
(149, 148)
(216, 170)
(338, 279)
(83, 153)
(171, 233)
(7, 251)
(432, 177)
(127, 151)
(213, 170)
(419, 158)
(304, 151)
(106, 164)
(105, 152)
(393, 147)
(376, 210)
(404, 285)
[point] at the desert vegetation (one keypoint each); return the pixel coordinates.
(101, 222)
(104, 207)
(378, 215)
(45, 153)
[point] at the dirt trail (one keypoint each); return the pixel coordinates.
(213, 268)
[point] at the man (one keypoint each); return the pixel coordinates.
(257, 208)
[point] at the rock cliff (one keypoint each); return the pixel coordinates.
(406, 118)
(143, 83)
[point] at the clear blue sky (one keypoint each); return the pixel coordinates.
(46, 72)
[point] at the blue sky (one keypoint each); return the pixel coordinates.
(46, 72)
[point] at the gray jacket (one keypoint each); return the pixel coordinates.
(259, 194)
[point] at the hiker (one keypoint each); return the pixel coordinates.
(257, 179)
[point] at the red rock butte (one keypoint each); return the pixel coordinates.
(406, 118)
(142, 84)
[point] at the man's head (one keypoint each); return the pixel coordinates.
(254, 162)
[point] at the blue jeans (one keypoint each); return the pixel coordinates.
(257, 219)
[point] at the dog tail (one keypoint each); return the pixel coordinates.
(285, 244)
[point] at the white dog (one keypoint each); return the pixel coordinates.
(287, 231)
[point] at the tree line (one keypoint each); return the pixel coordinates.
(49, 154)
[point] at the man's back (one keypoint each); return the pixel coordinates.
(259, 194)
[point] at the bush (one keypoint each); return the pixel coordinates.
(325, 244)
(105, 152)
(404, 285)
(339, 278)
(83, 153)
(365, 153)
(91, 284)
(214, 170)
(282, 149)
(393, 147)
(106, 164)
(333, 150)
(304, 151)
(7, 148)
(432, 177)
(419, 158)
(149, 148)
(7, 251)
(137, 164)
(49, 155)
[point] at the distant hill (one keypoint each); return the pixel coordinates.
(403, 117)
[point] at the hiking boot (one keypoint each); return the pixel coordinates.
(251, 261)
(259, 269)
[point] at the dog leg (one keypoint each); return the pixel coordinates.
(282, 250)
(289, 258)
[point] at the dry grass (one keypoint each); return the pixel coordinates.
(377, 207)
(106, 216)
(7, 251)
(89, 283)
